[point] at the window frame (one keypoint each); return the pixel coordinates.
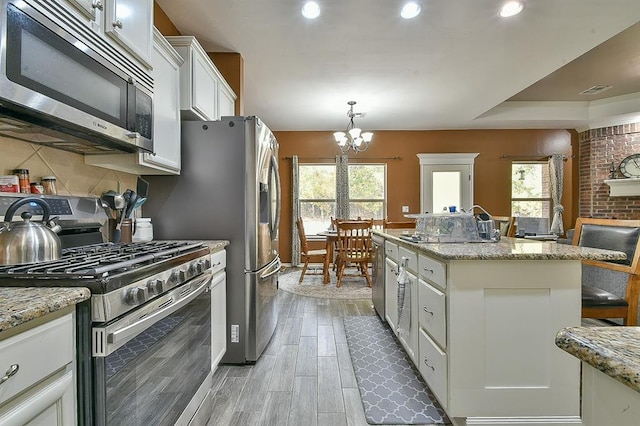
(549, 200)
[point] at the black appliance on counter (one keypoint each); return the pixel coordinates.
(144, 338)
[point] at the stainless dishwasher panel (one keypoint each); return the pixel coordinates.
(378, 276)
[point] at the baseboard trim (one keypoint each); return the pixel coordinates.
(524, 421)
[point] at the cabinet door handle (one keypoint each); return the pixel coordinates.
(9, 373)
(427, 364)
(428, 270)
(424, 308)
(117, 24)
(97, 5)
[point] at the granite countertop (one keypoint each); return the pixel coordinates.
(21, 304)
(216, 245)
(613, 350)
(505, 249)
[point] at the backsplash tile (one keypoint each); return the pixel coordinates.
(73, 176)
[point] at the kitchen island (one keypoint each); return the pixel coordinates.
(484, 317)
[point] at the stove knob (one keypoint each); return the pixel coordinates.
(155, 286)
(136, 295)
(207, 263)
(177, 277)
(195, 268)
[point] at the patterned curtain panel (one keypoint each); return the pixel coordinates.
(295, 211)
(342, 187)
(556, 172)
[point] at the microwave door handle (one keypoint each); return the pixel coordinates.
(120, 337)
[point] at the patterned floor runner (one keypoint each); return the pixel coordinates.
(391, 389)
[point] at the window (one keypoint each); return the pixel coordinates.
(367, 190)
(317, 196)
(530, 190)
(367, 193)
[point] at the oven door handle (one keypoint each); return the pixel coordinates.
(117, 338)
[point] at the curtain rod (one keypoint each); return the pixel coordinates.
(350, 158)
(522, 157)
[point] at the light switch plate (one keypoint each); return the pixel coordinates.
(405, 209)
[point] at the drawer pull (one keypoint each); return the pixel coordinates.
(428, 270)
(427, 364)
(10, 372)
(424, 308)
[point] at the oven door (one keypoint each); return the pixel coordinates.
(149, 364)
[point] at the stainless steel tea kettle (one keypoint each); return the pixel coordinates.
(26, 241)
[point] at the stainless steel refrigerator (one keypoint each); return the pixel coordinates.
(229, 189)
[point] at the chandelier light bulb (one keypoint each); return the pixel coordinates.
(367, 136)
(354, 133)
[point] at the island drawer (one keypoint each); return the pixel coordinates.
(432, 270)
(433, 367)
(411, 255)
(391, 250)
(36, 354)
(431, 312)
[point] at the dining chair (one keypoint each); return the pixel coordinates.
(354, 247)
(305, 254)
(601, 279)
(401, 224)
(506, 224)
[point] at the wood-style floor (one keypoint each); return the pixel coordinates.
(304, 377)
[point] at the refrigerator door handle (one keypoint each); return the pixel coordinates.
(274, 271)
(276, 223)
(274, 264)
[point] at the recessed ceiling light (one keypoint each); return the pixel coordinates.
(410, 10)
(311, 10)
(511, 8)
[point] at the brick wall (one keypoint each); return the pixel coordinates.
(598, 149)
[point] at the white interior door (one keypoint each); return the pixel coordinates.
(446, 179)
(446, 185)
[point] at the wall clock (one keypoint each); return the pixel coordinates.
(630, 166)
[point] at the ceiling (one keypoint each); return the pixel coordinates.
(458, 65)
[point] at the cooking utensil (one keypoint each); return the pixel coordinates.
(142, 187)
(133, 199)
(26, 241)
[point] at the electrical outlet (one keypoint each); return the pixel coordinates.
(405, 209)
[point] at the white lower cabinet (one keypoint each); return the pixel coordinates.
(432, 364)
(218, 308)
(41, 388)
(605, 401)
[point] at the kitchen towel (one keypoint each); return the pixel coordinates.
(392, 390)
(404, 300)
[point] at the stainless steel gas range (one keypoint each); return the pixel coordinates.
(144, 338)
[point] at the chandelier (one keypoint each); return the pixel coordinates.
(353, 138)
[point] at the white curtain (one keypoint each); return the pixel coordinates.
(342, 187)
(295, 211)
(556, 172)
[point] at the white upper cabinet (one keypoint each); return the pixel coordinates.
(128, 22)
(204, 93)
(166, 119)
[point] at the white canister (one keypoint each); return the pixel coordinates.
(144, 230)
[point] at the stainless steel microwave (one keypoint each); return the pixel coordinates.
(64, 85)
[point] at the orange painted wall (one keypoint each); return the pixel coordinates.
(492, 174)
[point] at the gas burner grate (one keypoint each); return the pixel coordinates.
(100, 260)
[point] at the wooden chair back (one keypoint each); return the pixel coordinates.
(304, 245)
(402, 224)
(619, 235)
(354, 240)
(506, 224)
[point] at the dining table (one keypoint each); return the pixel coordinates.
(331, 238)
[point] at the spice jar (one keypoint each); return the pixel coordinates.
(49, 185)
(36, 188)
(23, 180)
